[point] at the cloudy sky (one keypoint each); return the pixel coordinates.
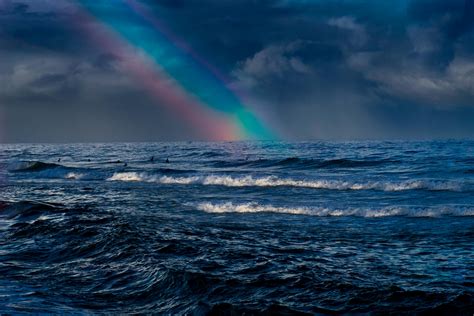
(309, 69)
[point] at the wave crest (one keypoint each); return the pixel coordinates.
(248, 181)
(32, 166)
(127, 176)
(230, 207)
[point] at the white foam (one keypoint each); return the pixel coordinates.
(74, 176)
(247, 181)
(144, 177)
(230, 207)
(179, 180)
(128, 176)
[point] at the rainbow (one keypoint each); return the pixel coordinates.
(175, 75)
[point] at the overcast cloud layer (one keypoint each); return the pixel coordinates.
(337, 69)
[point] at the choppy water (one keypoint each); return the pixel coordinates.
(255, 227)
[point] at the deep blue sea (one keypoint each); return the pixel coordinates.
(237, 228)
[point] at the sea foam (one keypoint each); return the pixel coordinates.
(248, 181)
(230, 207)
(128, 176)
(74, 176)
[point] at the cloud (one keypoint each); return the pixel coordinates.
(358, 36)
(274, 61)
(431, 66)
(317, 69)
(425, 40)
(57, 77)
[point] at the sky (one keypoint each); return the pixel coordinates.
(168, 70)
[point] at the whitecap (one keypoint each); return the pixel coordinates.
(128, 176)
(271, 181)
(74, 176)
(230, 207)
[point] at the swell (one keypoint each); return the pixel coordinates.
(38, 169)
(172, 171)
(27, 209)
(303, 163)
(230, 207)
(32, 166)
(323, 184)
(70, 232)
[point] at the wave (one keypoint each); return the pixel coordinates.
(46, 170)
(27, 209)
(130, 176)
(144, 177)
(274, 309)
(211, 154)
(230, 207)
(32, 166)
(38, 169)
(172, 171)
(249, 181)
(75, 176)
(57, 171)
(302, 163)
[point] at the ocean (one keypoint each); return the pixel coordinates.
(233, 228)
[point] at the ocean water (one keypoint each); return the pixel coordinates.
(242, 227)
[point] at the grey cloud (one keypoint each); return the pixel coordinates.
(318, 69)
(52, 76)
(358, 34)
(273, 62)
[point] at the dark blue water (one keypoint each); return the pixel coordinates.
(234, 228)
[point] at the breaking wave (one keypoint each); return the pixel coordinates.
(230, 207)
(247, 181)
(387, 229)
(74, 176)
(43, 170)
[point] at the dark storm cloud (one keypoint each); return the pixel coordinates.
(319, 69)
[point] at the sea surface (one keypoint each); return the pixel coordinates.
(269, 228)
